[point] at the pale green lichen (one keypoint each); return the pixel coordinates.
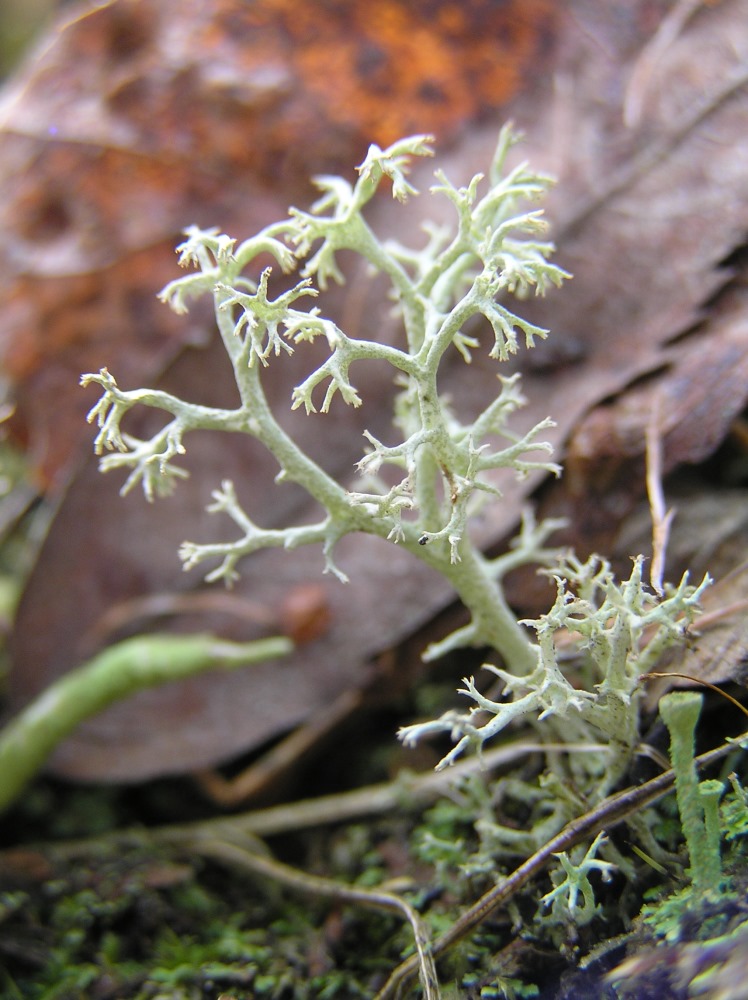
(445, 466)
(572, 896)
(421, 491)
(680, 712)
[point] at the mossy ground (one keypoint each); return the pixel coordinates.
(107, 919)
(85, 915)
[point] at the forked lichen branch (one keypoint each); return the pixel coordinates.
(439, 470)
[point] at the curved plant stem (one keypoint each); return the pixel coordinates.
(118, 671)
(258, 864)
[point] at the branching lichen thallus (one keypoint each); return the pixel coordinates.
(493, 248)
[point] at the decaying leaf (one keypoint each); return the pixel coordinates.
(140, 118)
(718, 651)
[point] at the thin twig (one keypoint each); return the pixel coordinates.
(408, 787)
(413, 790)
(265, 773)
(378, 899)
(661, 518)
(698, 680)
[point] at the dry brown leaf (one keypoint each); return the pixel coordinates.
(718, 651)
(139, 117)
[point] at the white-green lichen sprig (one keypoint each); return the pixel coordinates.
(621, 630)
(443, 467)
(491, 249)
(437, 291)
(571, 881)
